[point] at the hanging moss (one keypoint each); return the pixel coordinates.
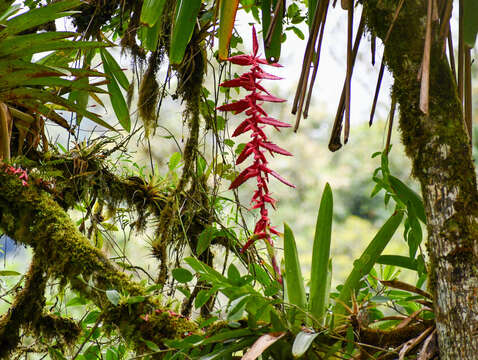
(148, 96)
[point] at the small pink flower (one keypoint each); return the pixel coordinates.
(22, 174)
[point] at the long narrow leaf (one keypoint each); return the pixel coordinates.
(293, 273)
(312, 9)
(470, 21)
(51, 46)
(320, 255)
(56, 81)
(47, 97)
(408, 196)
(116, 70)
(364, 264)
(183, 27)
(397, 260)
(40, 16)
(152, 11)
(273, 48)
(116, 96)
(227, 16)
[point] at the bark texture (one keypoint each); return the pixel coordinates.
(438, 145)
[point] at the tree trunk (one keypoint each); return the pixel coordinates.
(439, 147)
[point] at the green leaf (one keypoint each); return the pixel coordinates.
(7, 11)
(91, 318)
(77, 301)
(111, 355)
(205, 238)
(113, 296)
(350, 342)
(182, 276)
(152, 11)
(229, 349)
(397, 260)
(364, 264)
(42, 96)
(41, 15)
(302, 342)
(293, 273)
(115, 69)
(415, 234)
(237, 308)
(206, 272)
(151, 345)
(227, 16)
(202, 297)
(297, 31)
(233, 274)
(183, 26)
(274, 49)
(151, 36)
(320, 255)
(9, 273)
(174, 161)
(227, 335)
(408, 196)
(470, 21)
(312, 10)
(116, 96)
(135, 299)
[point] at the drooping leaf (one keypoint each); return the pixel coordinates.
(41, 15)
(151, 12)
(408, 196)
(47, 97)
(116, 70)
(183, 26)
(274, 49)
(302, 342)
(311, 12)
(151, 36)
(116, 96)
(470, 21)
(227, 16)
(320, 255)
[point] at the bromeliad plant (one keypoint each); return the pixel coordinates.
(259, 144)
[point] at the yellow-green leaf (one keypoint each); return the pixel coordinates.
(227, 16)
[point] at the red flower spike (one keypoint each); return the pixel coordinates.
(259, 145)
(255, 45)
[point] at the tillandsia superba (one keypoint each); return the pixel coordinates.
(259, 144)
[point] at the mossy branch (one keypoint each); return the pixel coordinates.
(32, 218)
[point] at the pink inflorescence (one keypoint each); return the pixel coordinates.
(259, 145)
(22, 174)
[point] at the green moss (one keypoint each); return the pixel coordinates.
(66, 254)
(437, 143)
